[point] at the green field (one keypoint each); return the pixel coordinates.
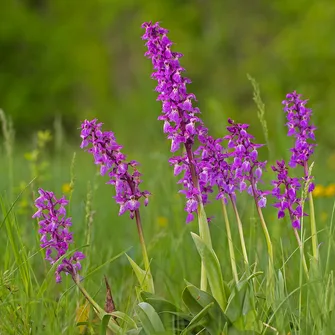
(31, 301)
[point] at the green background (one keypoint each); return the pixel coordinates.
(83, 59)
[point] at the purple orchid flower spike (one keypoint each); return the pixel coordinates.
(245, 168)
(300, 126)
(288, 200)
(122, 174)
(182, 123)
(56, 238)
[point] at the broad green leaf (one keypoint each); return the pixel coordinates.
(144, 278)
(171, 315)
(197, 318)
(213, 270)
(158, 303)
(104, 324)
(195, 300)
(175, 320)
(150, 320)
(241, 307)
(125, 318)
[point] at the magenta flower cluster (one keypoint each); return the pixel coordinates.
(288, 199)
(181, 121)
(55, 235)
(234, 168)
(122, 174)
(299, 126)
(246, 168)
(205, 166)
(210, 164)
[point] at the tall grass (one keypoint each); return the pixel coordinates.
(300, 299)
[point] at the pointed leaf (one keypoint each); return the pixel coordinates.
(213, 270)
(158, 303)
(144, 278)
(195, 300)
(125, 318)
(241, 306)
(197, 318)
(151, 322)
(104, 324)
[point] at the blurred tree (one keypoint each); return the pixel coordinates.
(85, 59)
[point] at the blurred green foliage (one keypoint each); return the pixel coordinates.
(83, 59)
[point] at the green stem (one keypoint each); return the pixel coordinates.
(312, 215)
(230, 242)
(266, 234)
(240, 230)
(263, 224)
(270, 278)
(204, 231)
(302, 254)
(144, 249)
(313, 228)
(206, 236)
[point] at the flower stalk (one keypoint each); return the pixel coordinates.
(314, 235)
(264, 227)
(122, 174)
(230, 242)
(182, 124)
(240, 230)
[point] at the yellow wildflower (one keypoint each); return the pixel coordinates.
(330, 190)
(66, 188)
(319, 191)
(162, 221)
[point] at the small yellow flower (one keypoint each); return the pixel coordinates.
(66, 188)
(162, 221)
(319, 191)
(330, 190)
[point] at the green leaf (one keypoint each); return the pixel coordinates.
(149, 318)
(195, 300)
(104, 324)
(213, 270)
(170, 314)
(144, 278)
(241, 307)
(158, 303)
(197, 318)
(125, 318)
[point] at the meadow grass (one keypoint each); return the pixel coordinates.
(32, 303)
